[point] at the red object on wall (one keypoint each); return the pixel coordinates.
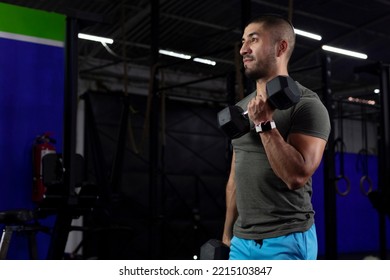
(43, 145)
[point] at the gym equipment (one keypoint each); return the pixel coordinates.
(363, 155)
(214, 249)
(282, 92)
(20, 221)
(340, 148)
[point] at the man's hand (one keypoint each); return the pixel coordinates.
(259, 110)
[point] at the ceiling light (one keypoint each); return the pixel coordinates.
(175, 54)
(186, 56)
(361, 101)
(377, 91)
(308, 34)
(205, 61)
(344, 52)
(95, 38)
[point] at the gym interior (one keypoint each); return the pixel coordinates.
(113, 150)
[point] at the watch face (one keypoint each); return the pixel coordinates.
(265, 126)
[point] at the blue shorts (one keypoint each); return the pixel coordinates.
(294, 246)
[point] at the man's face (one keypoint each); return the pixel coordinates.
(258, 52)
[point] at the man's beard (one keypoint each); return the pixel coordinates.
(255, 74)
(262, 69)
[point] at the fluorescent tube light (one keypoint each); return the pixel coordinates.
(205, 61)
(175, 54)
(186, 56)
(95, 38)
(344, 52)
(308, 34)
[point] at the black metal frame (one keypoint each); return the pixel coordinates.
(329, 167)
(384, 153)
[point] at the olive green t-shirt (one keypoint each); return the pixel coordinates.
(266, 207)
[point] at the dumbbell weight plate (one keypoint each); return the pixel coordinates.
(233, 121)
(282, 92)
(214, 249)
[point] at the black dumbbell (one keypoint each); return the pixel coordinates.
(214, 250)
(282, 93)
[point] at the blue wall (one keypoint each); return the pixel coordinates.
(31, 103)
(357, 220)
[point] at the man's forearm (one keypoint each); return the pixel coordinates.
(231, 216)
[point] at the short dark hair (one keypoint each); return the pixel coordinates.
(271, 19)
(278, 22)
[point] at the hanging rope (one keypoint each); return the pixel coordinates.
(362, 160)
(124, 53)
(340, 147)
(153, 71)
(129, 109)
(290, 10)
(163, 110)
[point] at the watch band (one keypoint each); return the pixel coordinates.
(265, 126)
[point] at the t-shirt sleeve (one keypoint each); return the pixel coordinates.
(312, 118)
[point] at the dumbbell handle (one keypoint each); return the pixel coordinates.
(245, 115)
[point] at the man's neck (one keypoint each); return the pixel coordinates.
(262, 83)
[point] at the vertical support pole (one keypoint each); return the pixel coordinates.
(384, 152)
(70, 103)
(116, 171)
(246, 13)
(246, 10)
(231, 88)
(64, 216)
(329, 168)
(154, 191)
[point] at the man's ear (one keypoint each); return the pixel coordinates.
(282, 48)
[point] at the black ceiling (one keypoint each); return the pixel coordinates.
(212, 29)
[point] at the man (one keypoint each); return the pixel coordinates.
(268, 195)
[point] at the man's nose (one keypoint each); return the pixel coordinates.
(244, 49)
